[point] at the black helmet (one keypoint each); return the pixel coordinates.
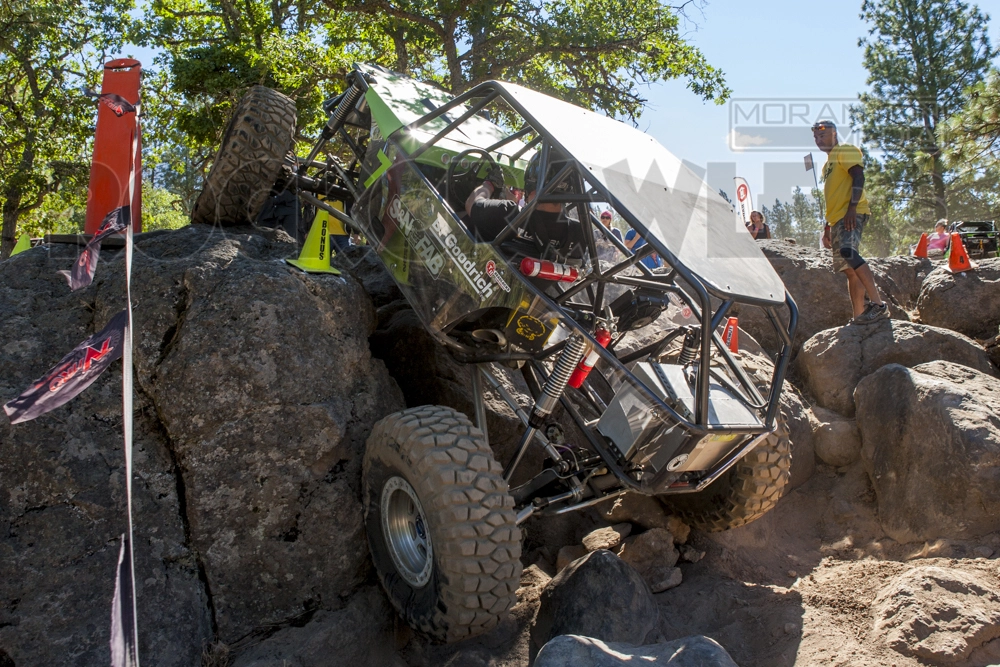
(556, 163)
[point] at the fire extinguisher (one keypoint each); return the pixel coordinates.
(603, 337)
(537, 268)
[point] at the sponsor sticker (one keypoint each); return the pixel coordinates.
(491, 271)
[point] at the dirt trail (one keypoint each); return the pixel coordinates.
(797, 586)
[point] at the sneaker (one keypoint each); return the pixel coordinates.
(872, 313)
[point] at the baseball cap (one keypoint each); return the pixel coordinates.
(606, 214)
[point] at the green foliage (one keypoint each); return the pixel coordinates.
(921, 56)
(594, 53)
(591, 52)
(972, 138)
(49, 50)
(162, 209)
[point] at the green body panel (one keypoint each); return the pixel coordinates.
(396, 101)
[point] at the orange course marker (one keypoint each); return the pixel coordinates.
(731, 335)
(109, 168)
(958, 258)
(921, 249)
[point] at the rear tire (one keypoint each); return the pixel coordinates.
(441, 524)
(250, 159)
(748, 491)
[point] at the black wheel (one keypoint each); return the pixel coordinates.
(746, 492)
(441, 523)
(250, 159)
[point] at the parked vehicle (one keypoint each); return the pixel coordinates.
(978, 236)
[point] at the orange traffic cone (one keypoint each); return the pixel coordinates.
(731, 335)
(958, 259)
(921, 250)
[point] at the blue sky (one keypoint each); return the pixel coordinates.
(783, 49)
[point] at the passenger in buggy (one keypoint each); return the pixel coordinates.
(488, 217)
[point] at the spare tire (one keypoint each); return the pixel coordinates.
(250, 159)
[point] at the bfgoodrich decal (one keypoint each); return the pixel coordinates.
(479, 280)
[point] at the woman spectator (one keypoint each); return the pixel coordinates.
(937, 242)
(758, 228)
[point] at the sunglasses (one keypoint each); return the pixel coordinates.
(605, 217)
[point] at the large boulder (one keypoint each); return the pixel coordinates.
(901, 277)
(62, 495)
(931, 446)
(966, 302)
(577, 651)
(256, 392)
(821, 293)
(832, 362)
(597, 596)
(939, 615)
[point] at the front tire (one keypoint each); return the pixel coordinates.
(441, 523)
(746, 492)
(250, 159)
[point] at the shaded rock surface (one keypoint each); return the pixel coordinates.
(931, 446)
(362, 633)
(832, 362)
(597, 596)
(968, 302)
(645, 512)
(62, 495)
(577, 651)
(256, 392)
(938, 614)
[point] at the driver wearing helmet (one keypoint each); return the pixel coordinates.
(487, 217)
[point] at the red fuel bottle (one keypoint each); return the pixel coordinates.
(587, 364)
(537, 268)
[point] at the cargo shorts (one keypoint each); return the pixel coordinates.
(841, 238)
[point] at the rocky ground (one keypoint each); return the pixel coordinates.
(257, 387)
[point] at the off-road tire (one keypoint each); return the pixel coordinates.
(468, 514)
(249, 161)
(746, 492)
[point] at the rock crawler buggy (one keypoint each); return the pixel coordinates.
(678, 417)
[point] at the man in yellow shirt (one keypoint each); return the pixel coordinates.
(847, 212)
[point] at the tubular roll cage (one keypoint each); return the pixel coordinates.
(591, 286)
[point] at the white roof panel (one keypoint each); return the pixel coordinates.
(679, 209)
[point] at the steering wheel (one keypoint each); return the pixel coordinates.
(461, 180)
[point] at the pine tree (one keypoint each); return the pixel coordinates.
(779, 219)
(921, 56)
(805, 218)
